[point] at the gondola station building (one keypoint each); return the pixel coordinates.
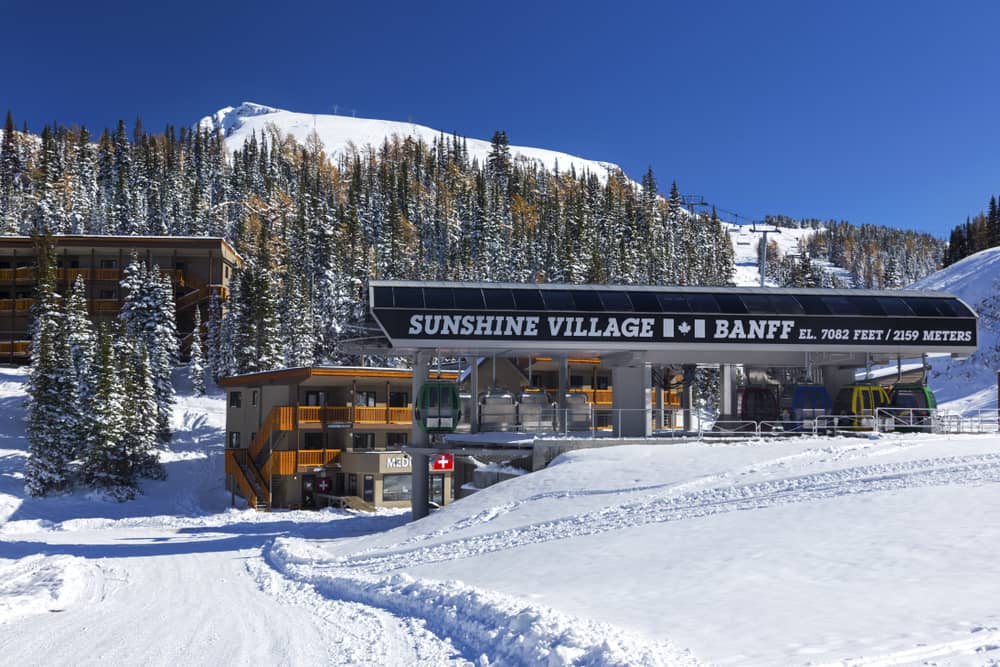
(308, 436)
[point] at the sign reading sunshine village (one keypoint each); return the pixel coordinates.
(437, 325)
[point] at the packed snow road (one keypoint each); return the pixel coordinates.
(168, 596)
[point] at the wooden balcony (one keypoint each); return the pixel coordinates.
(288, 461)
(346, 414)
(16, 306)
(25, 274)
(20, 348)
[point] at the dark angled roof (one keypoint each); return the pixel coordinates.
(734, 301)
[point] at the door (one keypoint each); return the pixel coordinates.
(369, 489)
(309, 492)
(436, 491)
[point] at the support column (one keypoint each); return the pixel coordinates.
(727, 387)
(474, 389)
(630, 401)
(687, 397)
(419, 477)
(563, 388)
(658, 399)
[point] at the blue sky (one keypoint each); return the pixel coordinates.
(874, 112)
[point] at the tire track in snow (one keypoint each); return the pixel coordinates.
(974, 469)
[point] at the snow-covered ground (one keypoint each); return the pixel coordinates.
(344, 134)
(800, 551)
(748, 260)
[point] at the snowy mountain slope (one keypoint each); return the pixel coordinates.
(342, 134)
(967, 385)
(745, 249)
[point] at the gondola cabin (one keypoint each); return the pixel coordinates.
(757, 403)
(859, 402)
(809, 402)
(912, 405)
(438, 407)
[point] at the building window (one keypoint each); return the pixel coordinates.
(234, 439)
(106, 294)
(399, 399)
(576, 381)
(236, 399)
(368, 493)
(225, 270)
(602, 382)
(352, 484)
(180, 266)
(315, 397)
(365, 399)
(253, 397)
(109, 264)
(314, 441)
(396, 440)
(363, 441)
(396, 487)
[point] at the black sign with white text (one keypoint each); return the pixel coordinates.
(437, 325)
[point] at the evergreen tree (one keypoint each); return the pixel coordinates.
(81, 340)
(141, 427)
(49, 386)
(106, 464)
(196, 363)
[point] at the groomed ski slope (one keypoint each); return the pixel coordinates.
(802, 551)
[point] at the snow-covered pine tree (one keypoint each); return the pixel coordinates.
(140, 411)
(298, 333)
(49, 386)
(196, 360)
(106, 464)
(81, 340)
(148, 315)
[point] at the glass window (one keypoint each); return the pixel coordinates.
(108, 264)
(396, 440)
(615, 301)
(673, 303)
(603, 382)
(106, 294)
(468, 298)
(383, 297)
(399, 399)
(362, 441)
(500, 299)
(527, 299)
(812, 304)
(703, 303)
(364, 399)
(758, 304)
(234, 439)
(786, 305)
(558, 300)
(396, 487)
(409, 297)
(314, 441)
(869, 306)
(352, 484)
(576, 381)
(587, 301)
(315, 398)
(236, 399)
(644, 302)
(922, 306)
(438, 297)
(731, 304)
(840, 305)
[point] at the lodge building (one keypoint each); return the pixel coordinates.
(197, 266)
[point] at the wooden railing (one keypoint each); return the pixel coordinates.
(20, 348)
(605, 396)
(280, 418)
(315, 414)
(17, 306)
(401, 415)
(236, 472)
(22, 274)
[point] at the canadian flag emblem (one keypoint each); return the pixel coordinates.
(443, 462)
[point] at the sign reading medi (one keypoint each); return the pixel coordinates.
(787, 330)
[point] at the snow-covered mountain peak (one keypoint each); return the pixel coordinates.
(345, 134)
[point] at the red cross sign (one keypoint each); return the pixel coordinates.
(324, 484)
(443, 462)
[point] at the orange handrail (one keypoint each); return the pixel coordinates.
(280, 418)
(339, 413)
(369, 415)
(107, 274)
(401, 415)
(310, 414)
(233, 468)
(316, 457)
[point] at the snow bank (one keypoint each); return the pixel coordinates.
(500, 628)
